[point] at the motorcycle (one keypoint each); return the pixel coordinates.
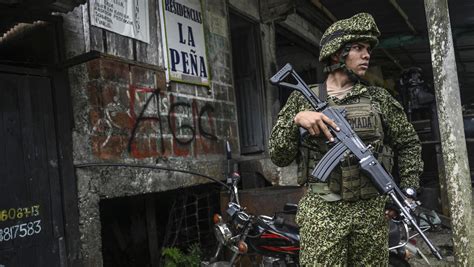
(278, 242)
(271, 237)
(402, 242)
(244, 233)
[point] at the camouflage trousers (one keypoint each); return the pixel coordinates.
(342, 233)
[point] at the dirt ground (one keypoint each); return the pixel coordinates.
(442, 239)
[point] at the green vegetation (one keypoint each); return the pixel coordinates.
(174, 257)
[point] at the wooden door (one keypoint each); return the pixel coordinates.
(248, 84)
(31, 219)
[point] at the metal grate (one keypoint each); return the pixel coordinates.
(189, 220)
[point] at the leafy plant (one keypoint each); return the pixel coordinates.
(174, 257)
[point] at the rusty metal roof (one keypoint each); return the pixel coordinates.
(13, 12)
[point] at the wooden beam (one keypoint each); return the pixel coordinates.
(326, 11)
(395, 61)
(404, 15)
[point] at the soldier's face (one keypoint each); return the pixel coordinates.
(358, 58)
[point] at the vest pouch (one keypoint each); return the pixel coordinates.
(346, 183)
(350, 189)
(303, 166)
(351, 184)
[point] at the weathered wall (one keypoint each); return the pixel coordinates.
(249, 8)
(125, 114)
(124, 111)
(80, 38)
(303, 29)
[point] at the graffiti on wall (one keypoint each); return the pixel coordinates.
(185, 122)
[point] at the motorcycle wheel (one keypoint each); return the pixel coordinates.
(396, 261)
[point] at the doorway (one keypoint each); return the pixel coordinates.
(38, 194)
(248, 83)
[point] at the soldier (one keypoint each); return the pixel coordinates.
(342, 222)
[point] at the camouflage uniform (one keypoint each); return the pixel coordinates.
(345, 232)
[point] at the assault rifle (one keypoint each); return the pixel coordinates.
(347, 140)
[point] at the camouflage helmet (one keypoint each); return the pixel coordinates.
(360, 27)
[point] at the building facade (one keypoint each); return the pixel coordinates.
(115, 126)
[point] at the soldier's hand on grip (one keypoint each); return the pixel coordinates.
(316, 123)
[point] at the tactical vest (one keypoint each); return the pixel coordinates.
(346, 182)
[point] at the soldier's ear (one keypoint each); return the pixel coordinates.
(335, 57)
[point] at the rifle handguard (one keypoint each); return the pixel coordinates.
(373, 168)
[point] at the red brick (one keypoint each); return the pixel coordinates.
(181, 150)
(144, 148)
(94, 116)
(201, 146)
(124, 95)
(167, 143)
(207, 146)
(109, 92)
(122, 120)
(93, 93)
(162, 146)
(142, 77)
(97, 121)
(111, 148)
(115, 71)
(93, 69)
(146, 126)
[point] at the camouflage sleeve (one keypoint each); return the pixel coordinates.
(401, 136)
(283, 143)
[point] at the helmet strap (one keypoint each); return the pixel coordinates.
(342, 65)
(351, 74)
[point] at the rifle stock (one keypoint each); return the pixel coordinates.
(347, 139)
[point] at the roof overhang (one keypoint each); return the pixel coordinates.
(13, 12)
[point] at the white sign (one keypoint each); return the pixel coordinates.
(185, 45)
(125, 17)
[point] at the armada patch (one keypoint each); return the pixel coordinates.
(361, 122)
